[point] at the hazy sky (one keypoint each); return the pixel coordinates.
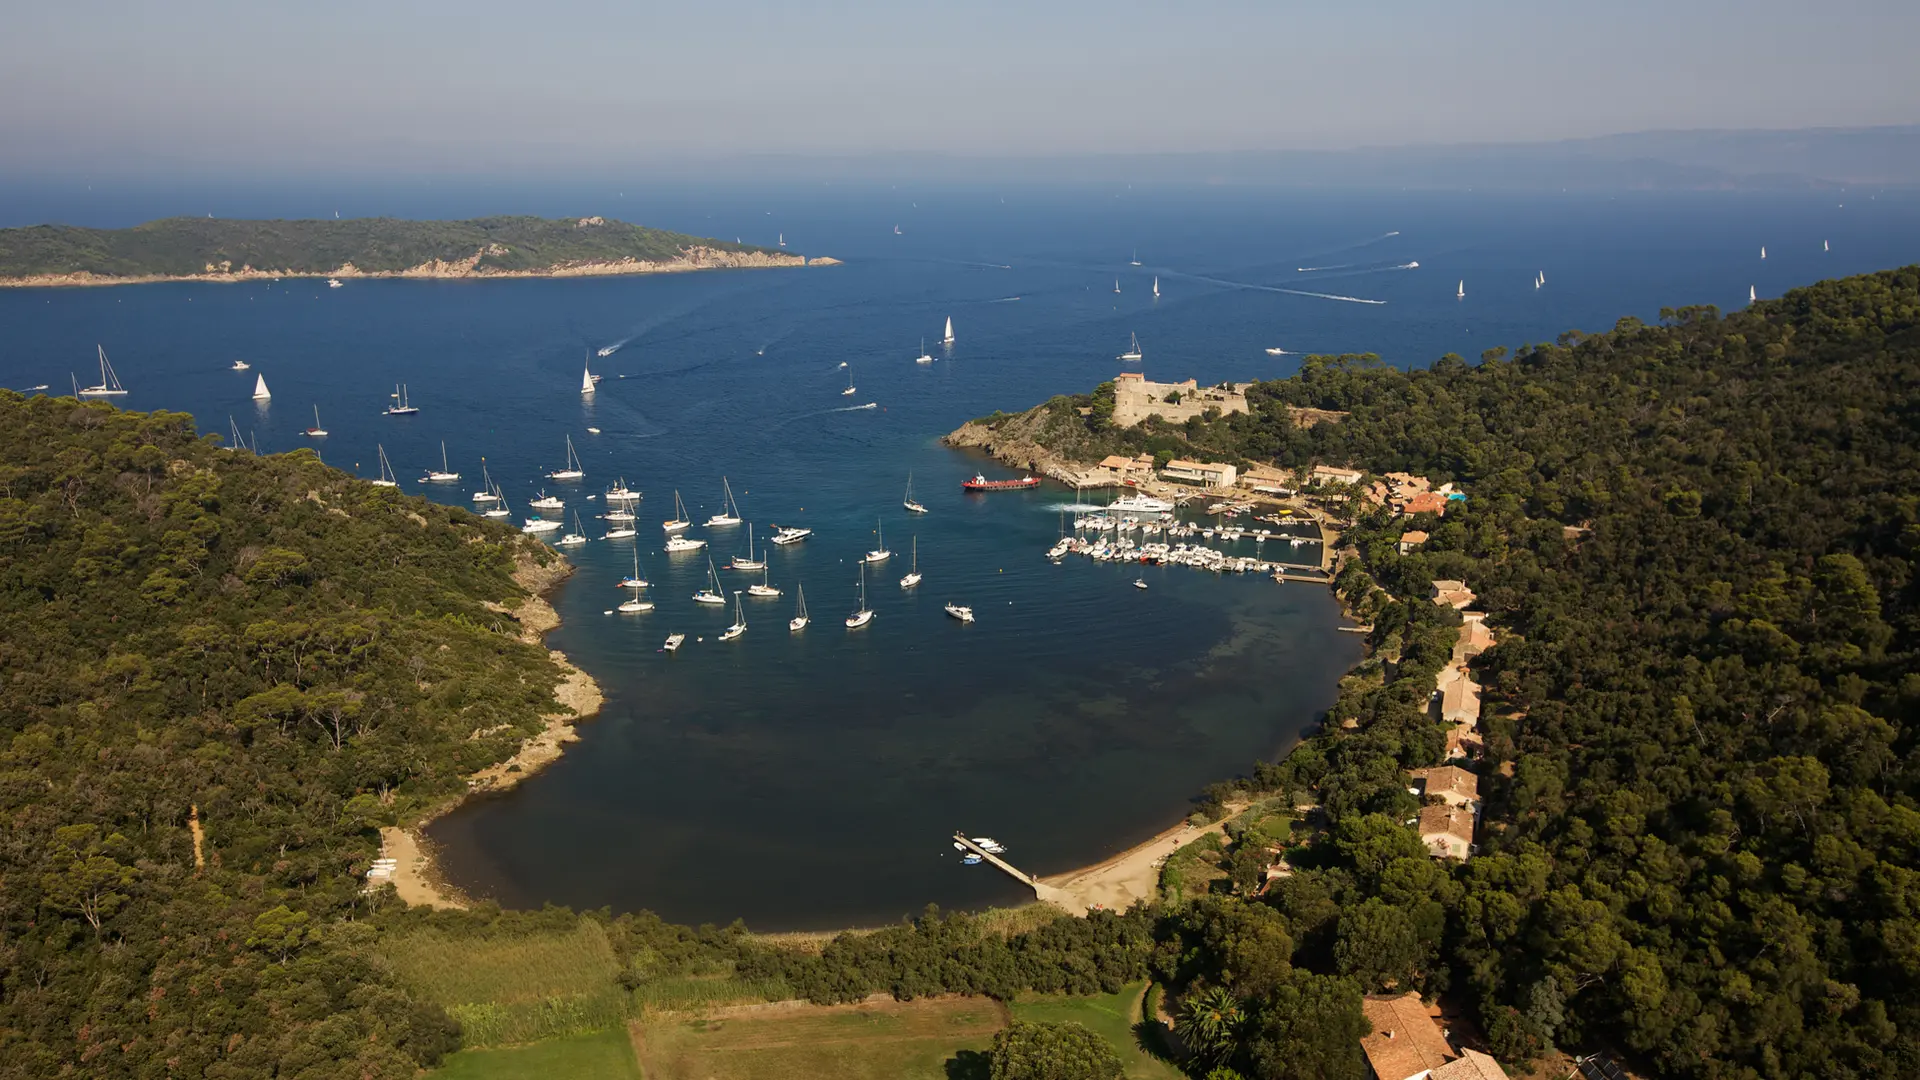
(484, 84)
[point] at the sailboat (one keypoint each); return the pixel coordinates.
(763, 589)
(400, 406)
(925, 357)
(739, 621)
(913, 575)
(1133, 349)
(729, 510)
(387, 478)
(1763, 251)
(879, 553)
(710, 593)
(636, 581)
(109, 382)
(1156, 286)
(620, 530)
(634, 605)
(679, 519)
(783, 239)
(1136, 258)
(620, 492)
(1116, 285)
(486, 493)
(1751, 297)
(748, 563)
(574, 538)
(316, 431)
(586, 379)
(848, 392)
(260, 391)
(1824, 246)
(912, 507)
(446, 473)
(799, 620)
(863, 614)
(573, 471)
(1461, 292)
(948, 340)
(237, 440)
(499, 509)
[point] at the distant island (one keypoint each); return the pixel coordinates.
(213, 249)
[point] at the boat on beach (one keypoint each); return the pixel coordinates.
(981, 483)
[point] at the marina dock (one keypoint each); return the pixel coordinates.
(1043, 892)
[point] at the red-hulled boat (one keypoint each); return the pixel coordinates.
(981, 483)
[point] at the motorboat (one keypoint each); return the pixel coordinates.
(990, 845)
(548, 502)
(790, 535)
(620, 492)
(241, 365)
(1141, 504)
(333, 283)
(1139, 583)
(961, 612)
(538, 524)
(674, 641)
(677, 544)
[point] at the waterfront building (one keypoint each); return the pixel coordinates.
(1210, 473)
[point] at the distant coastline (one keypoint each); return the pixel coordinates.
(228, 251)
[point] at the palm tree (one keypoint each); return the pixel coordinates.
(1210, 1023)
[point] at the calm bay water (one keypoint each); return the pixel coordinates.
(804, 781)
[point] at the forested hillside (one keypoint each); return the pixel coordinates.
(182, 246)
(266, 648)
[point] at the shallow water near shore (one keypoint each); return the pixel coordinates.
(810, 781)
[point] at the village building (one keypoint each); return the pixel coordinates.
(1408, 1043)
(1135, 398)
(1411, 540)
(1453, 594)
(1329, 474)
(1426, 502)
(1463, 744)
(1475, 637)
(1126, 470)
(1458, 697)
(1267, 480)
(1447, 830)
(1455, 785)
(1209, 473)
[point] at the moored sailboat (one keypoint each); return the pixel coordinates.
(679, 519)
(260, 391)
(446, 473)
(908, 502)
(729, 509)
(387, 479)
(574, 538)
(848, 392)
(1133, 349)
(913, 574)
(573, 471)
(763, 589)
(863, 614)
(711, 593)
(879, 552)
(316, 431)
(799, 620)
(401, 406)
(109, 385)
(739, 621)
(486, 494)
(636, 581)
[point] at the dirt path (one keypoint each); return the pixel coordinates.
(1131, 876)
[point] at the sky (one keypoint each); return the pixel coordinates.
(240, 86)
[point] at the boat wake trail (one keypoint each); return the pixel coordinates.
(1313, 269)
(1289, 292)
(1004, 300)
(609, 350)
(825, 412)
(1356, 269)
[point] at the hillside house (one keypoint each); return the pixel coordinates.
(1126, 470)
(1209, 473)
(1330, 474)
(1455, 785)
(1411, 540)
(1447, 830)
(1408, 1043)
(1453, 594)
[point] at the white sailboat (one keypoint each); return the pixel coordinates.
(1824, 246)
(679, 519)
(1136, 258)
(316, 431)
(710, 593)
(729, 510)
(1116, 285)
(400, 406)
(863, 614)
(1156, 286)
(574, 538)
(848, 392)
(620, 492)
(763, 589)
(908, 502)
(486, 493)
(634, 606)
(748, 563)
(446, 473)
(799, 620)
(913, 575)
(925, 357)
(109, 385)
(387, 479)
(1751, 296)
(260, 391)
(499, 509)
(573, 471)
(948, 340)
(739, 621)
(636, 581)
(879, 553)
(620, 530)
(1133, 353)
(1763, 251)
(1461, 292)
(586, 380)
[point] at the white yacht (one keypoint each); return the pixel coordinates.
(679, 519)
(879, 554)
(748, 563)
(961, 612)
(913, 574)
(863, 614)
(925, 357)
(908, 502)
(241, 365)
(799, 620)
(711, 593)
(848, 392)
(763, 589)
(548, 502)
(636, 581)
(1139, 583)
(1133, 349)
(538, 524)
(677, 544)
(573, 471)
(790, 535)
(445, 473)
(620, 492)
(739, 621)
(948, 340)
(401, 406)
(316, 431)
(574, 538)
(333, 283)
(729, 509)
(1141, 504)
(674, 641)
(1276, 351)
(387, 478)
(260, 391)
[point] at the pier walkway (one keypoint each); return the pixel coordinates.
(1041, 891)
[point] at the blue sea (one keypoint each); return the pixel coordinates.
(811, 780)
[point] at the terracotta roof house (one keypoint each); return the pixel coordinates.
(1452, 783)
(1475, 638)
(1470, 1065)
(1447, 831)
(1406, 1043)
(1411, 540)
(1425, 502)
(1332, 474)
(1453, 594)
(1459, 698)
(1463, 744)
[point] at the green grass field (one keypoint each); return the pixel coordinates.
(879, 1041)
(519, 989)
(1111, 1016)
(603, 1055)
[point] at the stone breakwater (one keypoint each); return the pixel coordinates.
(690, 259)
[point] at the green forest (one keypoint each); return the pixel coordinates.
(184, 245)
(1700, 849)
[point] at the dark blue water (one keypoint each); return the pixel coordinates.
(810, 780)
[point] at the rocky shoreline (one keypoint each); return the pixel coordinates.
(691, 259)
